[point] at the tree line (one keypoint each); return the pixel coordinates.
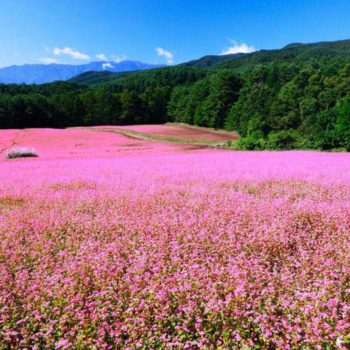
(141, 98)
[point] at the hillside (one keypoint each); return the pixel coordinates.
(91, 77)
(295, 97)
(211, 60)
(296, 53)
(292, 53)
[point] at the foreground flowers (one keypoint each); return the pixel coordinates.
(179, 249)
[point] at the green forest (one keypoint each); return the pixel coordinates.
(297, 97)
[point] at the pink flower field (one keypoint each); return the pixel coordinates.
(109, 242)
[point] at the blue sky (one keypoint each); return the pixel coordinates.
(159, 31)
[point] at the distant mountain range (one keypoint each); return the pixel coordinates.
(104, 71)
(46, 73)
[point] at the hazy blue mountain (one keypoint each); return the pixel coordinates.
(46, 73)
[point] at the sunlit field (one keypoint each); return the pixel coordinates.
(113, 242)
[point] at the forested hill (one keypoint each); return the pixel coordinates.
(295, 97)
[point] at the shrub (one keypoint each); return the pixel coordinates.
(254, 141)
(284, 139)
(20, 152)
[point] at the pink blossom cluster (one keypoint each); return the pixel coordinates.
(172, 248)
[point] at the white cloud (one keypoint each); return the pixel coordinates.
(102, 57)
(167, 54)
(119, 58)
(71, 52)
(48, 60)
(106, 66)
(114, 58)
(238, 48)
